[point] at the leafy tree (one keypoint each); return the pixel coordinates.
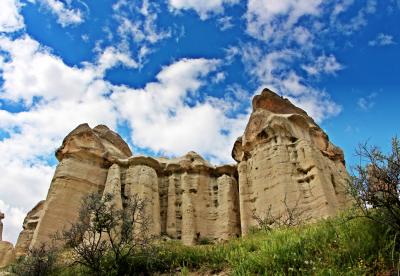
(376, 184)
(291, 216)
(40, 261)
(107, 240)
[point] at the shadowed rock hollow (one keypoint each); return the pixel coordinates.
(282, 154)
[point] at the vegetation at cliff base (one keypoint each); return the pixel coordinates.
(363, 240)
(335, 246)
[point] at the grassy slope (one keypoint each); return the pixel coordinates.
(330, 247)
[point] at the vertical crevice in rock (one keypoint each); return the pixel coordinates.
(244, 198)
(228, 212)
(282, 155)
(142, 181)
(188, 212)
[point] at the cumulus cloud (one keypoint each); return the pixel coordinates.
(65, 13)
(267, 20)
(111, 56)
(141, 25)
(368, 102)
(12, 220)
(382, 40)
(355, 22)
(138, 26)
(53, 98)
(225, 23)
(10, 19)
(323, 65)
(204, 8)
(289, 52)
(167, 116)
(273, 70)
(34, 72)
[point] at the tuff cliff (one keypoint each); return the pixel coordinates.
(283, 154)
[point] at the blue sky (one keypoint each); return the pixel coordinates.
(178, 75)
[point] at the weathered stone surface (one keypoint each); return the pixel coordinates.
(285, 154)
(85, 156)
(1, 226)
(282, 154)
(7, 254)
(30, 223)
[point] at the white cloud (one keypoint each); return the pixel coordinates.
(10, 19)
(66, 15)
(12, 220)
(138, 27)
(141, 28)
(303, 37)
(204, 8)
(111, 56)
(323, 65)
(166, 116)
(291, 39)
(267, 20)
(225, 23)
(273, 70)
(168, 119)
(34, 72)
(355, 23)
(382, 40)
(57, 98)
(368, 102)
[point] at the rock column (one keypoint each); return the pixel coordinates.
(142, 181)
(7, 252)
(1, 226)
(228, 213)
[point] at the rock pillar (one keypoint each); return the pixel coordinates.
(1, 225)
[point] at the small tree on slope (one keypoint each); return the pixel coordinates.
(107, 241)
(376, 184)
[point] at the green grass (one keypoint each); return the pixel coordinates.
(329, 247)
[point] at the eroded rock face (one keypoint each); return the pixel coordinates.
(7, 252)
(30, 224)
(1, 226)
(187, 197)
(85, 157)
(284, 154)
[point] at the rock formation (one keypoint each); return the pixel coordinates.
(7, 253)
(1, 226)
(30, 222)
(282, 154)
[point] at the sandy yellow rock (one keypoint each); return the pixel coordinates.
(30, 223)
(282, 154)
(7, 253)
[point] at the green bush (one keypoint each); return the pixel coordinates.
(40, 261)
(335, 246)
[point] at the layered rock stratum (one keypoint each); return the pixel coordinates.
(284, 159)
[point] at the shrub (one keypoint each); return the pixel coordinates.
(376, 184)
(40, 261)
(107, 240)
